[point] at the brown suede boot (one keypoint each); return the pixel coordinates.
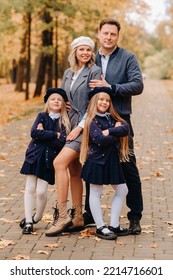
(77, 222)
(61, 222)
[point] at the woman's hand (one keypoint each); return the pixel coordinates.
(74, 133)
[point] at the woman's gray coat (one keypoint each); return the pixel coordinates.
(78, 94)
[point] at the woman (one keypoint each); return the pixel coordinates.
(76, 84)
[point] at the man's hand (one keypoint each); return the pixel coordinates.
(68, 106)
(98, 83)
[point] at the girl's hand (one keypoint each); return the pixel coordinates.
(117, 124)
(74, 133)
(58, 135)
(105, 132)
(40, 126)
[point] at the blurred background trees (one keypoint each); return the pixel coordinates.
(35, 37)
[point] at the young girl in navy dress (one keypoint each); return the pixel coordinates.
(48, 138)
(104, 144)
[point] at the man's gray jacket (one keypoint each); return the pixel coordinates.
(124, 75)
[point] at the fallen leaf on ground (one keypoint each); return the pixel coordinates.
(104, 206)
(147, 231)
(43, 252)
(86, 233)
(21, 257)
(161, 179)
(5, 243)
(34, 233)
(54, 245)
(120, 243)
(168, 222)
(47, 218)
(154, 245)
(146, 178)
(9, 221)
(97, 238)
(159, 198)
(148, 226)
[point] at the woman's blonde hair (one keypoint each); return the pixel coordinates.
(74, 65)
(91, 113)
(64, 119)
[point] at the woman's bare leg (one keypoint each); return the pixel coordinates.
(61, 163)
(76, 182)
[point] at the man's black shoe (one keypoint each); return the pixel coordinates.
(88, 220)
(134, 227)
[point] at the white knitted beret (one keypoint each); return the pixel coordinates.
(82, 40)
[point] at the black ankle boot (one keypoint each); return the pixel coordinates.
(134, 227)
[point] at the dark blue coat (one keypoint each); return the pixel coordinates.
(47, 138)
(43, 148)
(100, 146)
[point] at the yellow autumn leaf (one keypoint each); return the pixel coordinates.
(154, 245)
(87, 232)
(43, 252)
(21, 257)
(97, 238)
(161, 179)
(147, 231)
(146, 178)
(5, 243)
(34, 233)
(53, 245)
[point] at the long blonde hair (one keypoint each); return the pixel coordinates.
(74, 62)
(64, 119)
(91, 113)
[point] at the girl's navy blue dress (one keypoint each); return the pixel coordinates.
(103, 164)
(43, 148)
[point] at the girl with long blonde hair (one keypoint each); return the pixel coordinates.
(104, 146)
(48, 135)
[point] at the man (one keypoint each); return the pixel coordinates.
(121, 72)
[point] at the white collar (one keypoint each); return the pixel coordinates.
(54, 116)
(103, 115)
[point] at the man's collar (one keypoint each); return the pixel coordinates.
(100, 52)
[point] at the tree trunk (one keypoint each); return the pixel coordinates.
(45, 68)
(20, 74)
(40, 76)
(21, 68)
